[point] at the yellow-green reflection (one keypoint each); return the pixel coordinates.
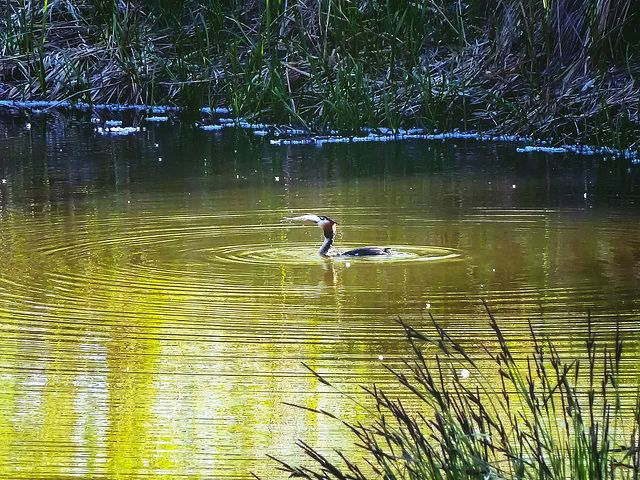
(148, 334)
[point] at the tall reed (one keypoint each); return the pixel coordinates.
(547, 68)
(541, 417)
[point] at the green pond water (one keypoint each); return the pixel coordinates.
(156, 310)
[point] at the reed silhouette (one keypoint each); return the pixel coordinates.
(548, 419)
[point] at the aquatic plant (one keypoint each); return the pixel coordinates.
(561, 71)
(548, 418)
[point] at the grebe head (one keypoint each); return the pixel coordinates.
(328, 225)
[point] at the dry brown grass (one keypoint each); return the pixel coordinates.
(561, 70)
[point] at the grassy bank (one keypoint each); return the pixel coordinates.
(543, 417)
(557, 70)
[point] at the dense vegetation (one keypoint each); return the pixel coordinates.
(544, 418)
(557, 69)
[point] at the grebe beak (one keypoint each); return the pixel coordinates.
(319, 220)
(305, 218)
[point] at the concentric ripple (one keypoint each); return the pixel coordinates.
(189, 244)
(184, 267)
(304, 253)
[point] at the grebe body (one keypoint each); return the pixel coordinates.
(329, 229)
(366, 251)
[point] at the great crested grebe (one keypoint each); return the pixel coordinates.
(329, 228)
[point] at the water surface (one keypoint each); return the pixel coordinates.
(156, 309)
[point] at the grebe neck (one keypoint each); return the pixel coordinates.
(326, 245)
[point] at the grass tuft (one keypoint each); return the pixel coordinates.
(543, 417)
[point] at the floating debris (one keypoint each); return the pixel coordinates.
(211, 127)
(582, 150)
(117, 130)
(541, 148)
(321, 140)
(386, 135)
(293, 141)
(217, 110)
(288, 135)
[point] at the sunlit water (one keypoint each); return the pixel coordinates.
(156, 310)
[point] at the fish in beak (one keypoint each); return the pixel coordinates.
(328, 225)
(305, 218)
